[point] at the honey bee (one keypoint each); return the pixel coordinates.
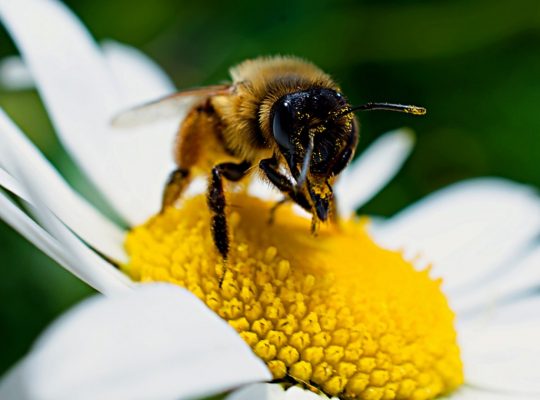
(282, 117)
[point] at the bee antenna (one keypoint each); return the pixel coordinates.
(305, 162)
(407, 109)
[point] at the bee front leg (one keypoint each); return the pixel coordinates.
(269, 167)
(216, 202)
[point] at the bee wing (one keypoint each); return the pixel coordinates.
(169, 106)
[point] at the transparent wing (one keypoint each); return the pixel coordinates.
(166, 107)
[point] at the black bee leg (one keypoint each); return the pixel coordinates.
(274, 208)
(216, 203)
(269, 167)
(177, 182)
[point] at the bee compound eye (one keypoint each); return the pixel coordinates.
(282, 123)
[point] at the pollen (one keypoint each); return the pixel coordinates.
(335, 313)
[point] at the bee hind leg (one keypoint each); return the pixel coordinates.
(176, 183)
(216, 202)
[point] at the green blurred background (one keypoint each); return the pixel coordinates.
(474, 63)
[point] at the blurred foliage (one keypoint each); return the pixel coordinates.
(474, 63)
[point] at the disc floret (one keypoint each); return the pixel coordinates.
(336, 312)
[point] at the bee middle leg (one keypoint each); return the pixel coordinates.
(216, 201)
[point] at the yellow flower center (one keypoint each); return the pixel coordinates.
(334, 312)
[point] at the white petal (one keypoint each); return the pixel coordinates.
(84, 262)
(501, 350)
(14, 75)
(375, 167)
(519, 277)
(140, 78)
(518, 312)
(470, 393)
(156, 342)
(81, 95)
(273, 391)
(469, 230)
(52, 190)
(12, 384)
(504, 359)
(22, 223)
(259, 391)
(10, 184)
(296, 393)
(86, 265)
(81, 260)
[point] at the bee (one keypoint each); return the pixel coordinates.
(282, 117)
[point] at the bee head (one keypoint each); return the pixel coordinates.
(316, 138)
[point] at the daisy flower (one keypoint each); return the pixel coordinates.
(436, 301)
